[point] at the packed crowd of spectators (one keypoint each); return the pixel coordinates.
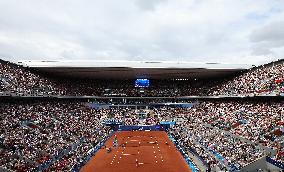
(227, 135)
(16, 79)
(259, 122)
(31, 134)
(128, 116)
(193, 134)
(204, 128)
(201, 123)
(236, 153)
(34, 133)
(232, 127)
(121, 88)
(19, 80)
(263, 80)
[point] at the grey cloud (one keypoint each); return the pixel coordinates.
(149, 4)
(269, 33)
(207, 30)
(262, 50)
(268, 39)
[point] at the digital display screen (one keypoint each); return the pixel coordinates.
(142, 83)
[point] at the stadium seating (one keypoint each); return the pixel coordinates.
(34, 133)
(55, 135)
(263, 80)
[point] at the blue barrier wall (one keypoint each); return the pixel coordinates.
(142, 128)
(183, 153)
(274, 162)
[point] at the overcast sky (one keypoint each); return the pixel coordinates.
(231, 31)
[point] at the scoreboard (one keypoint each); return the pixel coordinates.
(142, 83)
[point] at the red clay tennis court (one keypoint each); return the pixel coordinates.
(138, 151)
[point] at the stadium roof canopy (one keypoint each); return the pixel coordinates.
(134, 69)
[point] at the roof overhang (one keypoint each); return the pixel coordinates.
(134, 69)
